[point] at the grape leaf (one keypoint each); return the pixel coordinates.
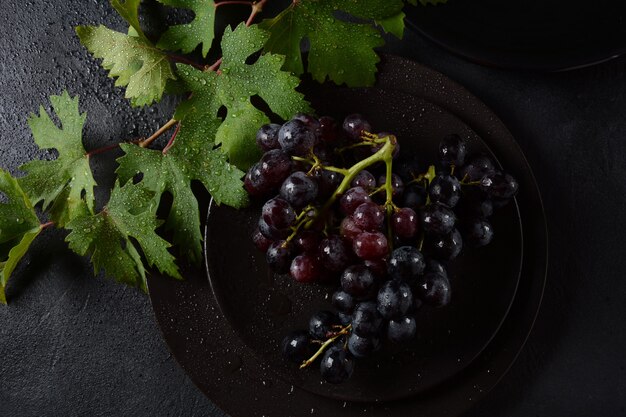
(129, 10)
(19, 226)
(233, 88)
(137, 64)
(393, 24)
(114, 236)
(188, 36)
(341, 51)
(67, 182)
(191, 158)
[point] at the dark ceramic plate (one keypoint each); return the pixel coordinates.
(224, 331)
(547, 35)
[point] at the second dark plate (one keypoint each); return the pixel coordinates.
(547, 35)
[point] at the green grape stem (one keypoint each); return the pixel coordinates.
(325, 345)
(384, 154)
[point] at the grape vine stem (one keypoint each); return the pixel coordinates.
(145, 143)
(384, 154)
(344, 331)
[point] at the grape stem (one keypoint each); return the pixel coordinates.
(158, 133)
(384, 154)
(344, 331)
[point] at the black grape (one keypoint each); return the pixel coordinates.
(478, 232)
(406, 263)
(278, 213)
(335, 253)
(307, 268)
(358, 281)
(352, 199)
(446, 247)
(404, 223)
(267, 137)
(437, 219)
(362, 347)
(478, 168)
(366, 320)
(299, 190)
(354, 125)
(279, 257)
(275, 166)
(394, 299)
(296, 138)
(296, 346)
(434, 290)
(343, 301)
(445, 189)
(321, 323)
(401, 330)
(452, 150)
(336, 365)
(499, 185)
(369, 217)
(365, 180)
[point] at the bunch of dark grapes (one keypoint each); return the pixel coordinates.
(332, 216)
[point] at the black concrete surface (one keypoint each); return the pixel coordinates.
(75, 345)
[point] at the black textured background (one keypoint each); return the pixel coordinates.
(72, 345)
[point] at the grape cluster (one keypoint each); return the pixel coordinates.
(342, 208)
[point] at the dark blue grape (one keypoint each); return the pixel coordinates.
(296, 346)
(437, 219)
(478, 168)
(278, 213)
(434, 290)
(354, 125)
(267, 137)
(279, 256)
(275, 166)
(260, 241)
(452, 150)
(478, 232)
(366, 320)
(406, 263)
(296, 138)
(394, 299)
(299, 190)
(321, 324)
(401, 330)
(362, 347)
(271, 232)
(446, 247)
(499, 185)
(335, 254)
(365, 180)
(358, 281)
(415, 197)
(337, 365)
(445, 189)
(343, 301)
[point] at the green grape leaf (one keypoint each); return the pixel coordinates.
(19, 226)
(67, 182)
(232, 88)
(143, 69)
(129, 10)
(340, 51)
(393, 25)
(188, 36)
(114, 237)
(190, 159)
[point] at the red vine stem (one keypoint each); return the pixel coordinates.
(226, 3)
(162, 129)
(171, 141)
(184, 60)
(257, 7)
(46, 225)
